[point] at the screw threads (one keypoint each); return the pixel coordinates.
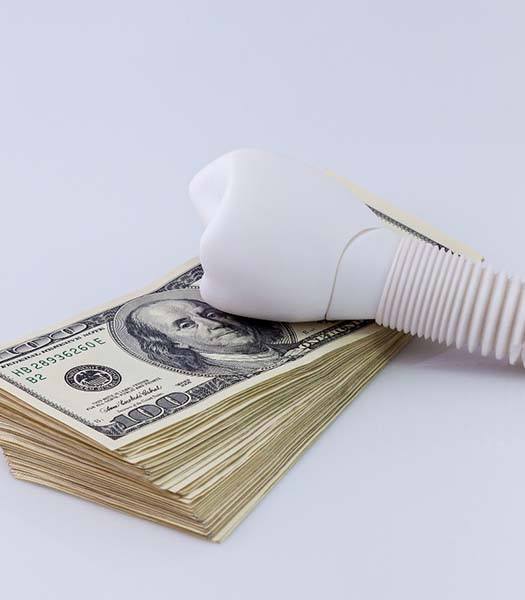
(435, 294)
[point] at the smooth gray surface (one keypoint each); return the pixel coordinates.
(107, 109)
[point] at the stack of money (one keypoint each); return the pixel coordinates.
(168, 409)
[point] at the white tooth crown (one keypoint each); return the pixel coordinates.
(277, 235)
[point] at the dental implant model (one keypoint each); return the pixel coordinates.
(286, 242)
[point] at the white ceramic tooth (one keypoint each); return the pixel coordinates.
(287, 242)
(208, 187)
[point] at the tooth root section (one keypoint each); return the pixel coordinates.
(508, 313)
(441, 296)
(414, 258)
(413, 296)
(426, 292)
(518, 332)
(436, 306)
(450, 289)
(426, 315)
(493, 316)
(413, 316)
(466, 269)
(388, 301)
(465, 315)
(480, 309)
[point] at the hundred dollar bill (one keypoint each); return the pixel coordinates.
(399, 219)
(154, 358)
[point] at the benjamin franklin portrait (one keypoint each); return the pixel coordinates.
(178, 330)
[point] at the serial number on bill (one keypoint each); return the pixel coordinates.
(30, 372)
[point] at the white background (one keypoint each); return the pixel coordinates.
(107, 109)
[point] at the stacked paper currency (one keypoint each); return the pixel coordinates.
(171, 410)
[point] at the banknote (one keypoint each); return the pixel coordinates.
(156, 357)
(399, 219)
